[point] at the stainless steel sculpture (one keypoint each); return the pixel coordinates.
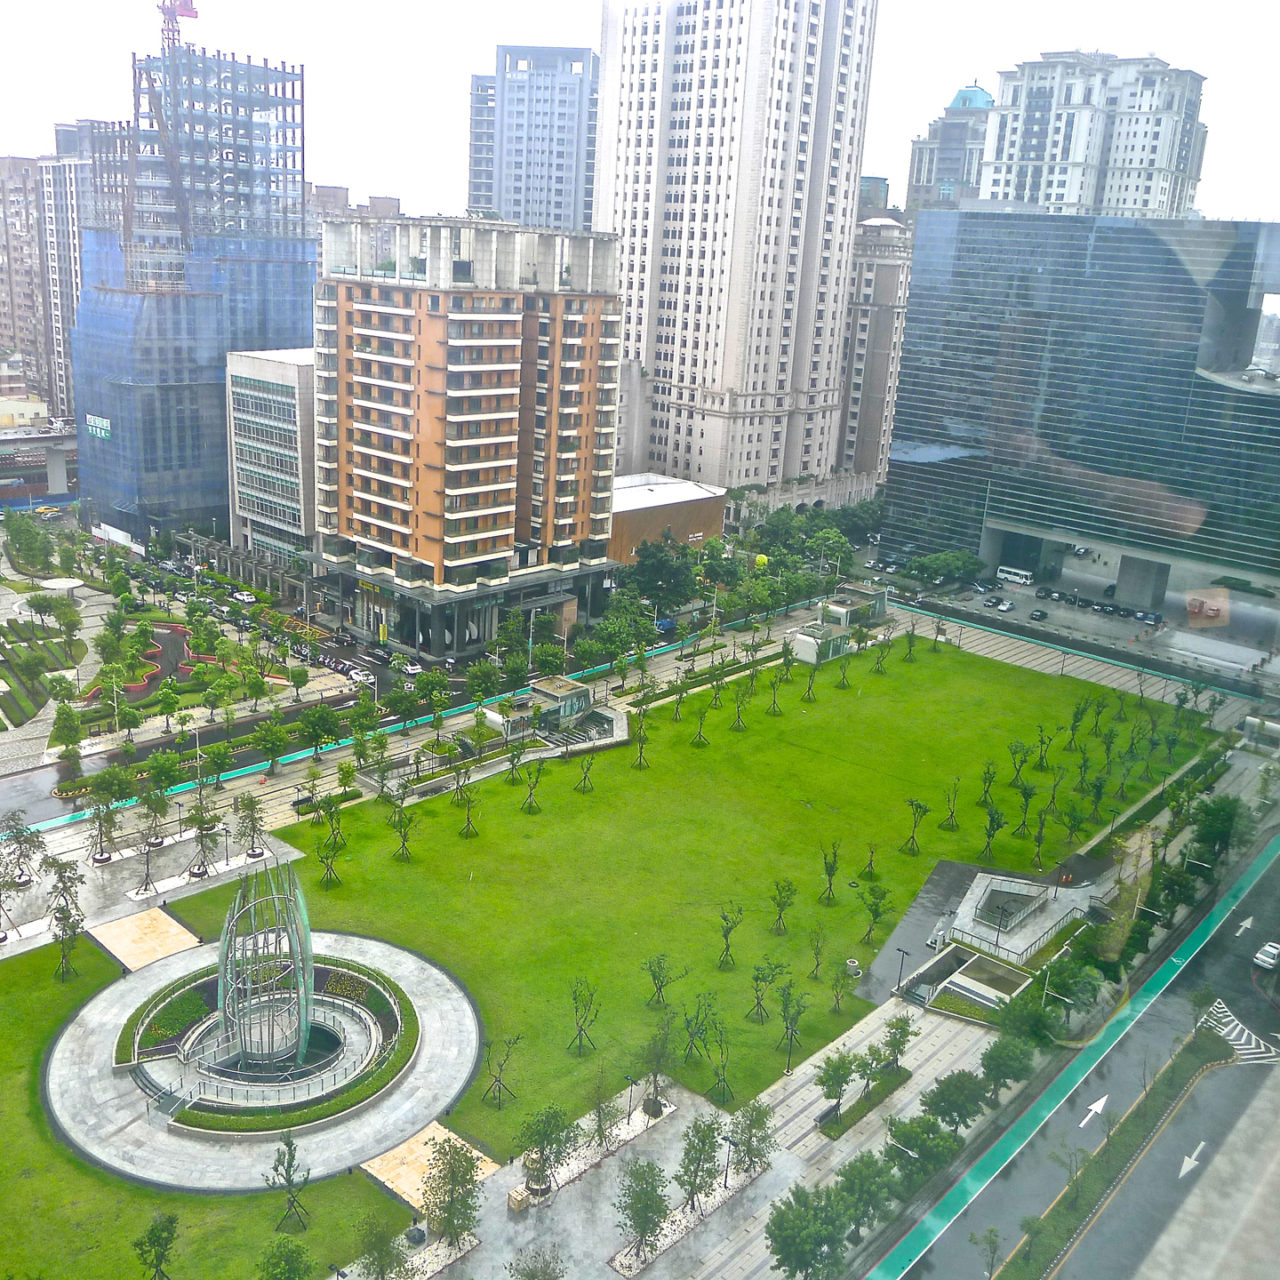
(265, 972)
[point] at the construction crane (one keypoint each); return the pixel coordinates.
(170, 12)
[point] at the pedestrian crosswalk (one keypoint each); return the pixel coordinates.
(1248, 1047)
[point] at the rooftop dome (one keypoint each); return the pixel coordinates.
(972, 98)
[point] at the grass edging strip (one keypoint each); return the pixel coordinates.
(892, 1080)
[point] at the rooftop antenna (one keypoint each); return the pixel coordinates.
(170, 12)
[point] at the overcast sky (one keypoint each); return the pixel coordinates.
(387, 80)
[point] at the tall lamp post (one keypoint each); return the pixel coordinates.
(729, 1145)
(903, 953)
(631, 1084)
(179, 805)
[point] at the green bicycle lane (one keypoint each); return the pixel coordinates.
(912, 1247)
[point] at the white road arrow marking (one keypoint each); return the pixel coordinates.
(1190, 1162)
(1094, 1109)
(1246, 923)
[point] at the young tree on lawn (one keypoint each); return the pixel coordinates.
(791, 1007)
(1072, 818)
(841, 981)
(919, 810)
(833, 1076)
(866, 1182)
(730, 919)
(1019, 753)
(763, 976)
(287, 1175)
(988, 780)
(817, 948)
(272, 739)
(995, 823)
(64, 907)
(830, 868)
(642, 1204)
(538, 1262)
(957, 1099)
(949, 797)
(1026, 793)
(382, 1250)
(751, 1129)
(774, 681)
(699, 1159)
(662, 973)
(1006, 1059)
(806, 1233)
(167, 701)
(585, 1012)
(1044, 740)
(783, 895)
(548, 1138)
(285, 1259)
(451, 1189)
(155, 1245)
(899, 1032)
(875, 898)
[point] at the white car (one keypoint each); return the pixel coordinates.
(1268, 957)
(244, 597)
(413, 668)
(1005, 606)
(364, 677)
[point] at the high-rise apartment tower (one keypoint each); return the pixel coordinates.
(731, 141)
(533, 137)
(1096, 134)
(22, 289)
(946, 164)
(465, 402)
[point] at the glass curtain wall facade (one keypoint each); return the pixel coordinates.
(1071, 378)
(195, 244)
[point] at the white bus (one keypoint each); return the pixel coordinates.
(1019, 577)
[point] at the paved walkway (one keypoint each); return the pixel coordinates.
(580, 1217)
(141, 939)
(112, 1122)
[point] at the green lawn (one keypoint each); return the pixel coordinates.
(593, 884)
(65, 1219)
(588, 887)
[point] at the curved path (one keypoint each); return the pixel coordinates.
(107, 1118)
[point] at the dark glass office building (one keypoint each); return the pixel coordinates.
(1078, 379)
(195, 244)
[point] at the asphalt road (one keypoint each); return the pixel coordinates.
(1153, 1193)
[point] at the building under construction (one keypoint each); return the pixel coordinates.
(195, 244)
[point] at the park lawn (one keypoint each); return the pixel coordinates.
(593, 884)
(65, 1219)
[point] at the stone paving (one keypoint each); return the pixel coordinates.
(139, 940)
(402, 1169)
(109, 1119)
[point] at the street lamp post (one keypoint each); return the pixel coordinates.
(729, 1145)
(631, 1084)
(179, 804)
(226, 848)
(1003, 911)
(903, 953)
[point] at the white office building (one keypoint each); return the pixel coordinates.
(1091, 133)
(271, 452)
(730, 149)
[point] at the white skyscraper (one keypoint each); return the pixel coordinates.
(730, 148)
(1095, 134)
